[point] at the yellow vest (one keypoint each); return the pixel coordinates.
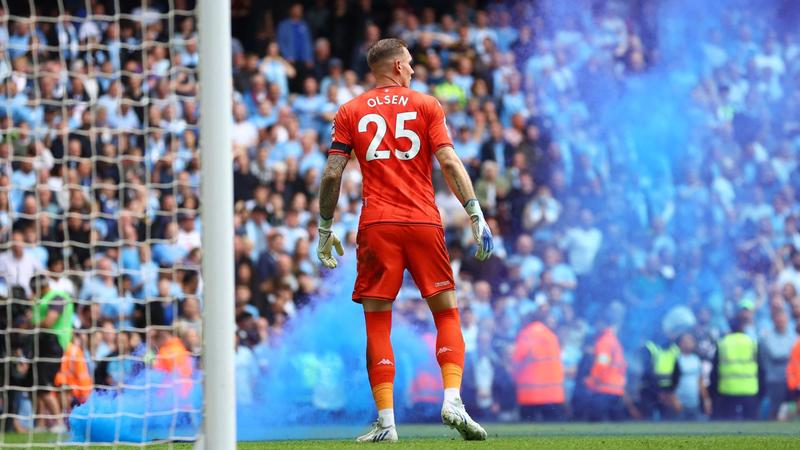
(738, 367)
(664, 361)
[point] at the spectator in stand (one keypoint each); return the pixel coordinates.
(294, 39)
(691, 394)
(17, 266)
(775, 346)
(497, 149)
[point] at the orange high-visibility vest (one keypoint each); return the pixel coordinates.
(538, 371)
(173, 358)
(426, 388)
(74, 373)
(793, 368)
(427, 384)
(608, 372)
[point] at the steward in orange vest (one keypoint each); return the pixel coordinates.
(74, 373)
(793, 371)
(606, 380)
(538, 371)
(426, 387)
(174, 359)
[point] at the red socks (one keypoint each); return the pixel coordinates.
(449, 346)
(380, 357)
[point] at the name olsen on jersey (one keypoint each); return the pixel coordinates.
(387, 100)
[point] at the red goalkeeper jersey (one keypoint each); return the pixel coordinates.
(394, 132)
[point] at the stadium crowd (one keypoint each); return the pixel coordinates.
(99, 180)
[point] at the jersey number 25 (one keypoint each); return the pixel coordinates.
(399, 132)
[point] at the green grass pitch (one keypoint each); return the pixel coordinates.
(633, 435)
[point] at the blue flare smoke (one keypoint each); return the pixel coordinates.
(657, 129)
(316, 371)
(152, 406)
(314, 376)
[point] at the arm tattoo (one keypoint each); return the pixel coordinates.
(455, 175)
(330, 185)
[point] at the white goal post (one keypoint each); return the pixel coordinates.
(214, 30)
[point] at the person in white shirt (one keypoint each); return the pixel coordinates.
(57, 279)
(244, 133)
(246, 373)
(582, 243)
(18, 266)
(188, 237)
(292, 230)
(790, 273)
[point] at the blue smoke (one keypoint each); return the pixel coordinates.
(316, 372)
(656, 133)
(152, 406)
(315, 376)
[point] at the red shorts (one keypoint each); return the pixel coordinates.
(385, 251)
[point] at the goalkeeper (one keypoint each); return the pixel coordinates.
(395, 133)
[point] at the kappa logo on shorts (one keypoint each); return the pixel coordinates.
(384, 362)
(443, 350)
(441, 283)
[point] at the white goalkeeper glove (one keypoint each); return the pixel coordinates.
(480, 230)
(328, 240)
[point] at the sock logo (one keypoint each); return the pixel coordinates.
(443, 350)
(384, 362)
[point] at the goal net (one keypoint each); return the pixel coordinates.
(100, 280)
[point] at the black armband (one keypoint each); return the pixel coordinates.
(341, 147)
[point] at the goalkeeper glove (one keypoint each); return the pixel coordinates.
(327, 240)
(480, 230)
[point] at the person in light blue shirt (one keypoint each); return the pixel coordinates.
(265, 116)
(125, 119)
(312, 157)
(17, 102)
(22, 180)
(289, 148)
(562, 274)
(513, 101)
(308, 106)
(463, 77)
(335, 76)
(690, 391)
(110, 100)
(190, 57)
(775, 346)
(38, 252)
(114, 45)
(120, 310)
(467, 147)
(101, 288)
(19, 41)
(420, 81)
(129, 253)
(506, 33)
(328, 110)
(168, 254)
(257, 228)
(530, 265)
(247, 373)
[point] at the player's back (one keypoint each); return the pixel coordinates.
(394, 132)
